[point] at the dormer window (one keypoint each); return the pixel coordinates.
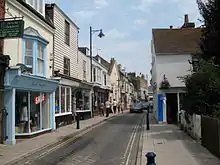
(38, 5)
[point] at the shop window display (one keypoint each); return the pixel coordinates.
(83, 100)
(63, 100)
(32, 112)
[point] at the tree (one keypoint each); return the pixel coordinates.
(203, 86)
(210, 11)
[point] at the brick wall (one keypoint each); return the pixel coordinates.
(2, 15)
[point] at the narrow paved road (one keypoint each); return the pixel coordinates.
(113, 143)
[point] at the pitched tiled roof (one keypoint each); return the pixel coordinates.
(177, 41)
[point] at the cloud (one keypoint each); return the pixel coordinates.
(116, 34)
(144, 5)
(139, 22)
(100, 4)
(84, 13)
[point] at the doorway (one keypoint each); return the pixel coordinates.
(172, 108)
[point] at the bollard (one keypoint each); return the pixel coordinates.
(151, 158)
(147, 120)
(77, 121)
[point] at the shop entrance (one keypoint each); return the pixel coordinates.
(172, 108)
(31, 112)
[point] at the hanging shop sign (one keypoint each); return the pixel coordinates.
(39, 99)
(11, 29)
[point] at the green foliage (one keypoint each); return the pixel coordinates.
(203, 90)
(203, 86)
(210, 39)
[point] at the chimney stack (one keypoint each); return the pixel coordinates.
(186, 18)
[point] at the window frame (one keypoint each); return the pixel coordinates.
(84, 69)
(94, 74)
(34, 66)
(66, 97)
(67, 32)
(66, 60)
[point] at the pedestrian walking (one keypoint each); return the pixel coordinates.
(114, 106)
(107, 107)
(119, 106)
(122, 107)
(102, 109)
(96, 107)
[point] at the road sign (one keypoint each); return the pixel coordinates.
(11, 29)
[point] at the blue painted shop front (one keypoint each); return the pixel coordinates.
(161, 115)
(30, 104)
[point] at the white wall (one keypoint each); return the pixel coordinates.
(173, 66)
(83, 57)
(61, 48)
(97, 65)
(13, 47)
(114, 77)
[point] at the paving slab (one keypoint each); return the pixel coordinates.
(174, 147)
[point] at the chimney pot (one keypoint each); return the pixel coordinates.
(186, 18)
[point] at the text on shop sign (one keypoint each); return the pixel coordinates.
(39, 99)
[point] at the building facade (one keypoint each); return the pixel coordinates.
(176, 51)
(65, 63)
(29, 96)
(101, 84)
(84, 93)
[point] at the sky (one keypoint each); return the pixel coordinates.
(127, 25)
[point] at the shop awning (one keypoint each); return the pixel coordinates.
(24, 81)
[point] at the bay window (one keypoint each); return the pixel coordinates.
(34, 55)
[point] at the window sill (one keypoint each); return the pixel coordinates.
(63, 114)
(33, 133)
(78, 111)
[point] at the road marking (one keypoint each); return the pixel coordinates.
(131, 141)
(132, 144)
(63, 144)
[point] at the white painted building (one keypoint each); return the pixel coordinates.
(172, 49)
(29, 90)
(66, 59)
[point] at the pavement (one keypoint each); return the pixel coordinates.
(23, 148)
(114, 142)
(174, 147)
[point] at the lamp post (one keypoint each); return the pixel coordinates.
(100, 35)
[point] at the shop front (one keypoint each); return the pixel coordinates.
(83, 100)
(100, 96)
(30, 102)
(63, 101)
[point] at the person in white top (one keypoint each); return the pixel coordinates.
(107, 107)
(114, 106)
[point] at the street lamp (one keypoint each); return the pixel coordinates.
(100, 35)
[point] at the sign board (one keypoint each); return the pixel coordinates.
(11, 29)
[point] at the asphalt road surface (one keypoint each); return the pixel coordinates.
(112, 143)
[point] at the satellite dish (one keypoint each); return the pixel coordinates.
(22, 66)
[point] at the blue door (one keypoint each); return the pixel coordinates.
(160, 107)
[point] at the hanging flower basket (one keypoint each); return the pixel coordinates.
(165, 83)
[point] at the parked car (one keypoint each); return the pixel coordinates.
(136, 107)
(145, 105)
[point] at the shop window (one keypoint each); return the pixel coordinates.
(63, 96)
(63, 100)
(31, 112)
(83, 100)
(57, 100)
(34, 53)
